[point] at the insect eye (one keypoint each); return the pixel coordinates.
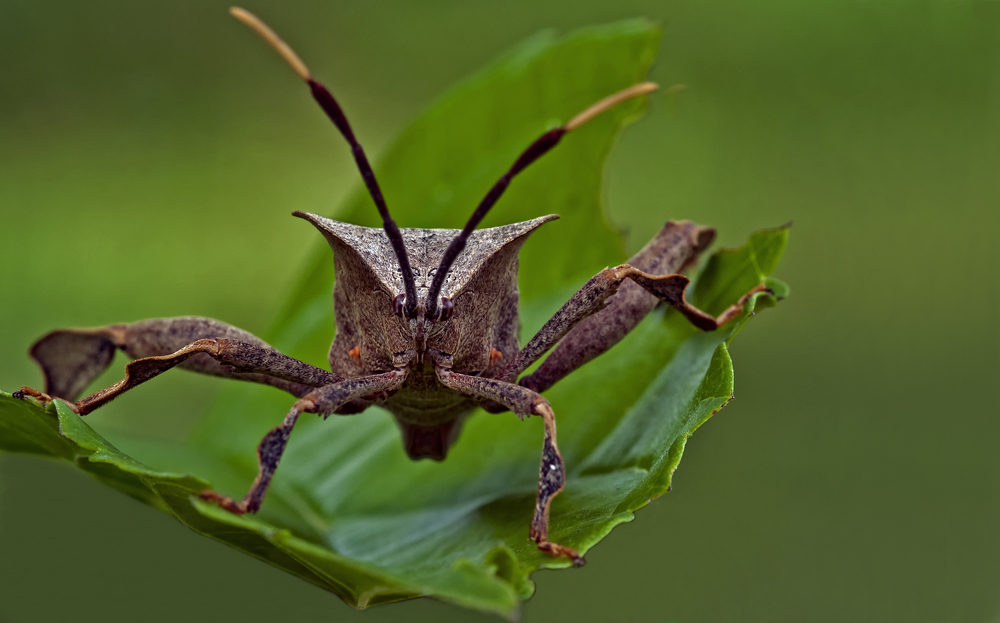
(447, 308)
(397, 304)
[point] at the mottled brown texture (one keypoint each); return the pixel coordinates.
(160, 337)
(252, 360)
(593, 321)
(71, 358)
(482, 286)
(138, 372)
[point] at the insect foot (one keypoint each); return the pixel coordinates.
(226, 502)
(41, 397)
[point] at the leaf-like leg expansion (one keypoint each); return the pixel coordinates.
(667, 288)
(671, 289)
(552, 475)
(324, 400)
(140, 371)
(72, 358)
(586, 328)
(592, 321)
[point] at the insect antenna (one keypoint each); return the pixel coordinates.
(332, 109)
(543, 144)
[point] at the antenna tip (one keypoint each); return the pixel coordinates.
(609, 102)
(242, 14)
(273, 40)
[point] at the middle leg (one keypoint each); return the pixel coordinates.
(324, 400)
(552, 473)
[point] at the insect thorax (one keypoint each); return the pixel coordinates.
(482, 286)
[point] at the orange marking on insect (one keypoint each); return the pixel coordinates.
(355, 354)
(495, 355)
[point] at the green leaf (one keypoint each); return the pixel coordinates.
(347, 510)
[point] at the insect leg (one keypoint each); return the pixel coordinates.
(591, 339)
(551, 479)
(72, 358)
(552, 474)
(597, 317)
(324, 400)
(611, 304)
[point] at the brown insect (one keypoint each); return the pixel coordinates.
(427, 324)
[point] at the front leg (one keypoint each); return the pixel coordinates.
(552, 475)
(324, 400)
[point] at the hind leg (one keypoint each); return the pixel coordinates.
(71, 358)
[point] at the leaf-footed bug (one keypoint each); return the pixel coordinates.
(426, 325)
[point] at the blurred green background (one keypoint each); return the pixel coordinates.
(150, 154)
